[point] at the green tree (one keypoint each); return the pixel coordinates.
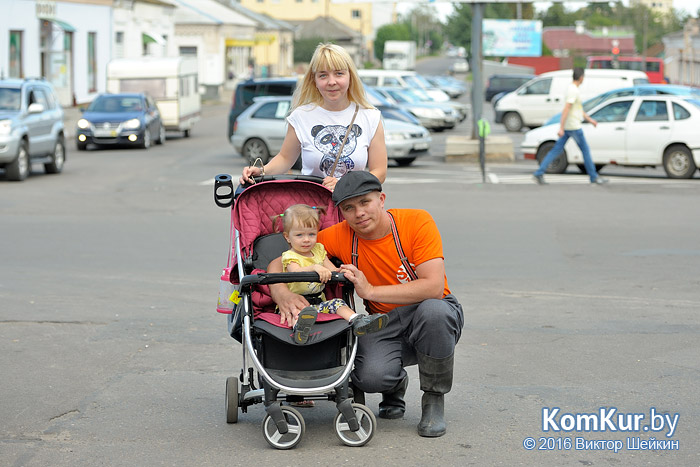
(390, 32)
(304, 48)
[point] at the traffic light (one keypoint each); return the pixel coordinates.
(615, 54)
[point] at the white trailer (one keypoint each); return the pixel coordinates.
(170, 81)
(399, 55)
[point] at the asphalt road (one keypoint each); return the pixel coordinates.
(576, 296)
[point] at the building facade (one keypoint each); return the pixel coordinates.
(67, 42)
(682, 52)
(143, 28)
(355, 15)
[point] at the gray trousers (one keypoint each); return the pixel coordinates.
(431, 327)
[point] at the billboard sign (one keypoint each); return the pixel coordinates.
(512, 38)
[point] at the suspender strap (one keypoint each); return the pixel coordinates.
(399, 249)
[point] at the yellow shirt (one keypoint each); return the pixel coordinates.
(318, 255)
(575, 117)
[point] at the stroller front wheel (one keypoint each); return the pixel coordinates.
(231, 399)
(367, 422)
(295, 425)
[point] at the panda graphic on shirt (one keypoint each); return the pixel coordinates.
(328, 139)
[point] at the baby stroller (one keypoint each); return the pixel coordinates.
(285, 370)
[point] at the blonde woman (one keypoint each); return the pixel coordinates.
(329, 98)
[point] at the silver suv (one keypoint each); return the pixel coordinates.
(31, 128)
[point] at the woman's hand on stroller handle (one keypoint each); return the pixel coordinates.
(248, 173)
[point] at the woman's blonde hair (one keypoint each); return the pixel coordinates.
(299, 215)
(329, 57)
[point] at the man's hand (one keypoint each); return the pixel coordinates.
(290, 305)
(560, 133)
(362, 286)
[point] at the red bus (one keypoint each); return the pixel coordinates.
(654, 66)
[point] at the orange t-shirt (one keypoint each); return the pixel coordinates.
(378, 259)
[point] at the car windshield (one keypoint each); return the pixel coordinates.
(417, 80)
(116, 104)
(399, 96)
(9, 99)
(375, 98)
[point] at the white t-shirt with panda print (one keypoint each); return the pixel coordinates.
(321, 133)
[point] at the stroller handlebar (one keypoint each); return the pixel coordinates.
(266, 278)
(225, 192)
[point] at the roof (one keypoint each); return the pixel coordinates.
(208, 12)
(326, 27)
(566, 38)
(266, 22)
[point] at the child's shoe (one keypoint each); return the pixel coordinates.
(365, 324)
(306, 320)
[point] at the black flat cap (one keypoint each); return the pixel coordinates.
(353, 184)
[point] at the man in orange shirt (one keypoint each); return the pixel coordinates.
(425, 319)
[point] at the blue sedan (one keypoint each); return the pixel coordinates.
(120, 119)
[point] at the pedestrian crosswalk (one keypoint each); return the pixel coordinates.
(509, 175)
(513, 175)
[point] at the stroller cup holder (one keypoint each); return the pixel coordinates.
(223, 190)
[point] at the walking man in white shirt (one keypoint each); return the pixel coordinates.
(571, 121)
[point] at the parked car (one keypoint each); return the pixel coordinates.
(31, 128)
(248, 90)
(432, 115)
(641, 131)
(404, 79)
(533, 103)
(120, 119)
(501, 83)
(641, 90)
(450, 85)
(261, 128)
(389, 110)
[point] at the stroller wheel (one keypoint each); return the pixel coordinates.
(367, 422)
(231, 399)
(296, 428)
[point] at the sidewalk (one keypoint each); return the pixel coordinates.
(73, 114)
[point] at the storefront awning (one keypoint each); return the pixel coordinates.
(61, 24)
(149, 37)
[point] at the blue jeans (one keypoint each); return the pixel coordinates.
(558, 148)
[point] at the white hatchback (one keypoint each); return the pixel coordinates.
(640, 131)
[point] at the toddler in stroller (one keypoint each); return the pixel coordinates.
(300, 228)
(282, 368)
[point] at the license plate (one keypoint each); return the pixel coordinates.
(105, 133)
(420, 146)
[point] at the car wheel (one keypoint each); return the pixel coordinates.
(81, 146)
(146, 143)
(512, 121)
(558, 165)
(161, 134)
(57, 158)
(405, 162)
(19, 169)
(186, 133)
(255, 148)
(678, 162)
